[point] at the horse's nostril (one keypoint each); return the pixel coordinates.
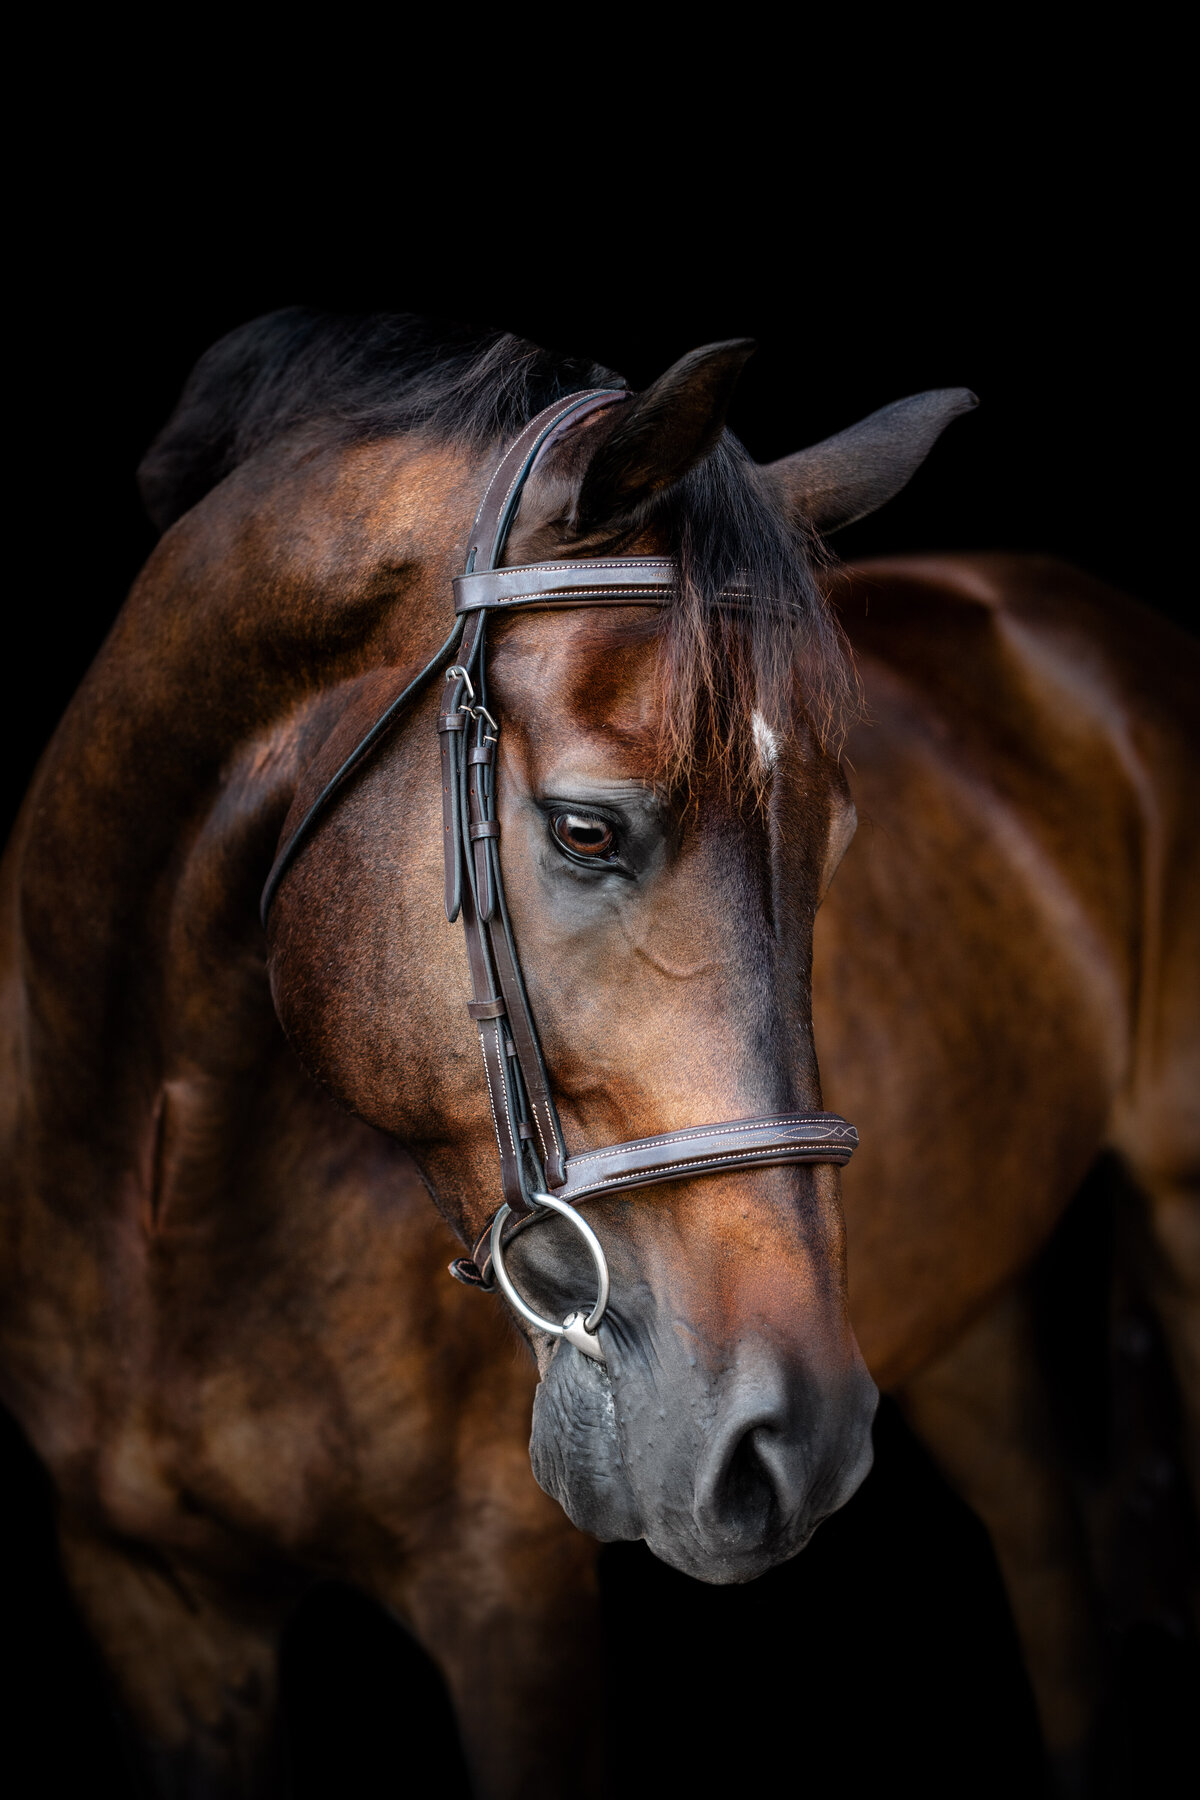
(745, 1492)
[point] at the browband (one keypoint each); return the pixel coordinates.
(645, 581)
(533, 1156)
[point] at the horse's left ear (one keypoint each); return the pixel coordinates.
(850, 475)
(661, 434)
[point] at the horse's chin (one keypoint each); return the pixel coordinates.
(722, 1564)
(575, 1451)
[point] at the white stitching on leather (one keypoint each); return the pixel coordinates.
(831, 1133)
(487, 1076)
(482, 507)
(505, 1078)
(541, 1134)
(533, 1102)
(577, 400)
(576, 593)
(496, 473)
(634, 1176)
(559, 568)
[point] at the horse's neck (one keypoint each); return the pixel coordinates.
(136, 867)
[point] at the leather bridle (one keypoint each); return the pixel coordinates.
(538, 1177)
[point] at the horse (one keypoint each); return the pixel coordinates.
(241, 1155)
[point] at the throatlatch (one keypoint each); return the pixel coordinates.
(538, 1179)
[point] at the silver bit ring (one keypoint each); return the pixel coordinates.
(576, 1328)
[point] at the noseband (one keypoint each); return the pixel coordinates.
(538, 1177)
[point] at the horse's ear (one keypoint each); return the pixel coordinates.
(850, 475)
(660, 434)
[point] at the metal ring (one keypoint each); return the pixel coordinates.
(577, 1329)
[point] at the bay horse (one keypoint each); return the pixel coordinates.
(240, 1159)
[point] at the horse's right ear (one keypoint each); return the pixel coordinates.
(848, 476)
(659, 435)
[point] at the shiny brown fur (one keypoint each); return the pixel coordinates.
(228, 1329)
(1006, 984)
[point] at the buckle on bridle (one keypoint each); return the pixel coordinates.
(468, 706)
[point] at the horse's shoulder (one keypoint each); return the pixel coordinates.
(1004, 617)
(968, 587)
(948, 627)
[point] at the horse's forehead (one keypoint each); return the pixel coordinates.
(564, 672)
(766, 741)
(590, 684)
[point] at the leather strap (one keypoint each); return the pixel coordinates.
(807, 1137)
(700, 1149)
(523, 1113)
(502, 496)
(632, 580)
(292, 846)
(528, 1134)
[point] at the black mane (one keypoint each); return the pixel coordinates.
(367, 374)
(372, 375)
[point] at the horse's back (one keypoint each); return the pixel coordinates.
(1006, 964)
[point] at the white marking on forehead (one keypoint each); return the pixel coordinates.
(765, 740)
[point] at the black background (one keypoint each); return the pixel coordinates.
(1016, 234)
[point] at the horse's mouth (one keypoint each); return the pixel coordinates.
(607, 1453)
(575, 1448)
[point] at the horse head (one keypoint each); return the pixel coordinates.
(670, 811)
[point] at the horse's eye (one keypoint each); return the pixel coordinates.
(583, 835)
